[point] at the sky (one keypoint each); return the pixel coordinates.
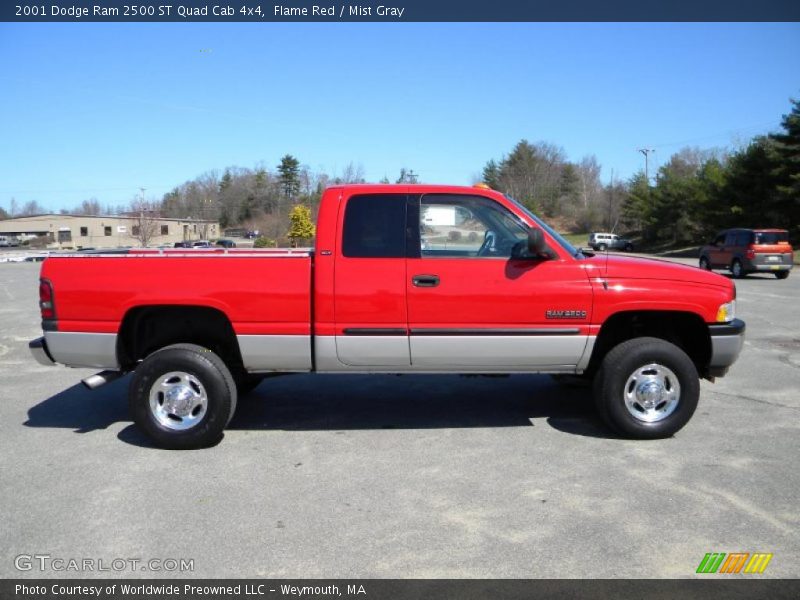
(101, 110)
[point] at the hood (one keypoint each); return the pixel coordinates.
(629, 267)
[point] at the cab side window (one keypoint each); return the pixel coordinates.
(467, 227)
(375, 226)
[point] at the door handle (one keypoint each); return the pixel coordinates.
(425, 280)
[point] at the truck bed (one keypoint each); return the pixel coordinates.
(265, 293)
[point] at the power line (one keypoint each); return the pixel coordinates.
(82, 191)
(729, 133)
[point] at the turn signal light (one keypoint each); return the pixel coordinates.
(726, 312)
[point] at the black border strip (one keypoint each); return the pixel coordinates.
(506, 331)
(416, 11)
(375, 331)
(735, 327)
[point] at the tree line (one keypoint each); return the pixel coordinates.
(694, 194)
(700, 192)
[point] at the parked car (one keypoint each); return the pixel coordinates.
(746, 251)
(197, 330)
(183, 245)
(609, 241)
(226, 243)
(9, 241)
(201, 244)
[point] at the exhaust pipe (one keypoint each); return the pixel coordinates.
(101, 378)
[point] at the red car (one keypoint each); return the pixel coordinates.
(492, 289)
(746, 251)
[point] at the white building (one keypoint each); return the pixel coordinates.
(106, 231)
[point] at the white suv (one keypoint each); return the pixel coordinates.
(609, 241)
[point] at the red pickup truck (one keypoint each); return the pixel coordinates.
(403, 279)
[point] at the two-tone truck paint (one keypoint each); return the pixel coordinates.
(403, 279)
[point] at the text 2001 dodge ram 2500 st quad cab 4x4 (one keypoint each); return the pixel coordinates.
(403, 279)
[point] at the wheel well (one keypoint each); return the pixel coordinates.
(149, 328)
(686, 330)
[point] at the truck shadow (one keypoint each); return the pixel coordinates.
(347, 402)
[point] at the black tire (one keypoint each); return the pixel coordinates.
(704, 263)
(630, 359)
(208, 374)
(629, 248)
(737, 269)
(601, 247)
(781, 274)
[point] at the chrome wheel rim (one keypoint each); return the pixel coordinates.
(703, 264)
(178, 400)
(652, 393)
(737, 269)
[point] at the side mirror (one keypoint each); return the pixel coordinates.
(536, 244)
(532, 248)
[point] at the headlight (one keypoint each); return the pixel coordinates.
(726, 312)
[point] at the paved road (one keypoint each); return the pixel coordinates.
(423, 476)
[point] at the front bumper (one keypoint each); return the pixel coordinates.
(38, 348)
(727, 340)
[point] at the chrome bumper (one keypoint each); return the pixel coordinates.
(727, 340)
(38, 348)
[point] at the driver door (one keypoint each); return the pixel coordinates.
(473, 308)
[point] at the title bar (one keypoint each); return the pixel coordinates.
(122, 11)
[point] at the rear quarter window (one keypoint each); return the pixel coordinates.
(375, 226)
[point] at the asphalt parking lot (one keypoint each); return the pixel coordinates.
(413, 476)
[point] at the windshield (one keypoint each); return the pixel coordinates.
(552, 232)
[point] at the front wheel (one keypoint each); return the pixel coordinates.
(602, 247)
(736, 269)
(704, 264)
(182, 397)
(647, 388)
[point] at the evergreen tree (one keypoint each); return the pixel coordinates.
(637, 206)
(787, 148)
(491, 175)
(289, 176)
(751, 193)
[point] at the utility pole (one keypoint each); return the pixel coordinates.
(646, 152)
(142, 234)
(611, 202)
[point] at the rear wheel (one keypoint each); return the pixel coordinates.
(737, 269)
(601, 247)
(182, 397)
(704, 264)
(781, 274)
(647, 388)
